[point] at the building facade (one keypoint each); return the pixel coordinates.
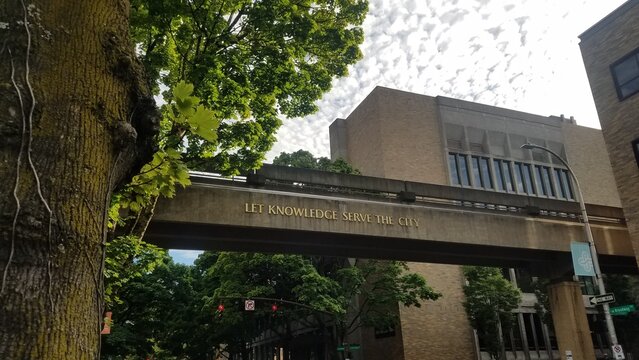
(610, 51)
(439, 140)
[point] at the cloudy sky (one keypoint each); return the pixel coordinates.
(518, 54)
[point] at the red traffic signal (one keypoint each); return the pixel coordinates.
(274, 307)
(220, 308)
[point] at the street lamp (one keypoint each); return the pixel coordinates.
(593, 250)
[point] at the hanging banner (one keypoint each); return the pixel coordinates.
(582, 259)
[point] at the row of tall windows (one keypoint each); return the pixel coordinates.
(509, 176)
(540, 338)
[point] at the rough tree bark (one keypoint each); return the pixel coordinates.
(75, 122)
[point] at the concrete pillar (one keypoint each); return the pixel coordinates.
(569, 318)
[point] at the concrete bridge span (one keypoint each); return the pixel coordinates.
(288, 210)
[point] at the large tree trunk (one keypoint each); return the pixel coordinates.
(74, 123)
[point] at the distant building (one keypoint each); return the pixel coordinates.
(610, 51)
(439, 140)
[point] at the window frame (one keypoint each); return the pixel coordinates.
(634, 53)
(512, 176)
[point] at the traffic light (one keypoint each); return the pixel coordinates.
(275, 310)
(219, 310)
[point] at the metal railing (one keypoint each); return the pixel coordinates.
(317, 182)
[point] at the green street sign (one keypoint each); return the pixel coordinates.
(349, 347)
(622, 310)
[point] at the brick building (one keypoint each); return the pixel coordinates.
(406, 136)
(610, 51)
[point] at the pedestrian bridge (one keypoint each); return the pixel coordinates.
(288, 210)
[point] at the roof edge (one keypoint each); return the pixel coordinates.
(608, 18)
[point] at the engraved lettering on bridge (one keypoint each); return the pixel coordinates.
(328, 214)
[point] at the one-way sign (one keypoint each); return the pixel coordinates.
(602, 299)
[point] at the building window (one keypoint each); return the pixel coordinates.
(544, 183)
(625, 73)
(524, 179)
(564, 188)
(510, 176)
(384, 332)
(459, 174)
(481, 172)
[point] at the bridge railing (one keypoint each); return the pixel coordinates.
(315, 181)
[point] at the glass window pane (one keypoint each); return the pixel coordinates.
(485, 173)
(629, 88)
(560, 185)
(627, 70)
(518, 178)
(476, 177)
(565, 179)
(452, 165)
(463, 170)
(545, 173)
(530, 189)
(539, 332)
(508, 178)
(498, 175)
(540, 184)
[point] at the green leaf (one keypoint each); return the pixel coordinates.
(204, 124)
(183, 99)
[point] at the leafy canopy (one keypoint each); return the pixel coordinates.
(323, 299)
(249, 62)
(490, 300)
(306, 160)
(230, 70)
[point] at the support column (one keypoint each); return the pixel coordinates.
(569, 318)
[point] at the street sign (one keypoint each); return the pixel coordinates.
(602, 299)
(348, 347)
(249, 305)
(622, 310)
(617, 352)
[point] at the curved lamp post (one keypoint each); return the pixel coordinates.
(612, 334)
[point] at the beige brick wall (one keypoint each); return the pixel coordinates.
(439, 329)
(586, 153)
(363, 129)
(602, 45)
(412, 145)
(396, 134)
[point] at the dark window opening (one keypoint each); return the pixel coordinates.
(508, 176)
(458, 169)
(511, 176)
(565, 181)
(384, 332)
(524, 178)
(519, 177)
(588, 286)
(481, 172)
(625, 74)
(544, 181)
